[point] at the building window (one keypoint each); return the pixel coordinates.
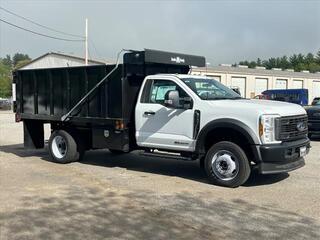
(240, 83)
(281, 84)
(261, 85)
(297, 84)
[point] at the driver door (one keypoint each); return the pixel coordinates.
(159, 126)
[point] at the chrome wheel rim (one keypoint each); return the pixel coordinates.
(225, 165)
(59, 147)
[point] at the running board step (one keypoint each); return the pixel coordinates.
(166, 155)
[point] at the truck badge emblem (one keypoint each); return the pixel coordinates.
(177, 60)
(301, 126)
(106, 133)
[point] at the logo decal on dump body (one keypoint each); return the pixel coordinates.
(177, 60)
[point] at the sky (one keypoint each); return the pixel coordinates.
(222, 31)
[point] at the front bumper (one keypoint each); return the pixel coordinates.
(282, 157)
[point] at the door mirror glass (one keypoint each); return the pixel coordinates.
(172, 99)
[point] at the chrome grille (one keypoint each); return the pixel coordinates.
(291, 128)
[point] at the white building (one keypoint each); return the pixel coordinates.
(253, 81)
(56, 60)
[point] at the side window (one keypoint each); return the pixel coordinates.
(159, 91)
(160, 88)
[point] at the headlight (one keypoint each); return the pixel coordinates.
(267, 129)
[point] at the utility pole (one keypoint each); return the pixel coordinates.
(86, 43)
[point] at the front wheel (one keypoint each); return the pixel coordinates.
(226, 164)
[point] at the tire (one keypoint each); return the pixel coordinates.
(117, 152)
(226, 164)
(309, 135)
(63, 148)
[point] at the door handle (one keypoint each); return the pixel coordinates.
(149, 113)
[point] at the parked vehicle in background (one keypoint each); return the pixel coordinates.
(297, 96)
(150, 103)
(316, 101)
(5, 104)
(236, 90)
(261, 96)
(313, 112)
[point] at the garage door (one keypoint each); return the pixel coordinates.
(217, 78)
(315, 89)
(261, 85)
(239, 82)
(297, 84)
(281, 84)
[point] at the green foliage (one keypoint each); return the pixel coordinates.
(21, 63)
(5, 80)
(298, 62)
(7, 64)
(19, 57)
(7, 61)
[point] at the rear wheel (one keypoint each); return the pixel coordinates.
(63, 147)
(226, 164)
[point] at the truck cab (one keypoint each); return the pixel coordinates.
(201, 118)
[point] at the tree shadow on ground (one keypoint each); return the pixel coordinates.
(80, 212)
(135, 162)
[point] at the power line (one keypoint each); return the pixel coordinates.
(38, 24)
(41, 34)
(95, 49)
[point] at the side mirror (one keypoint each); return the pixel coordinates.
(172, 99)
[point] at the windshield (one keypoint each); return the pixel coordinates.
(316, 101)
(210, 89)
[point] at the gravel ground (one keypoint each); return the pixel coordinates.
(135, 197)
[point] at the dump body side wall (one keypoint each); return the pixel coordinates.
(51, 93)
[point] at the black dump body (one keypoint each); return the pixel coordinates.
(45, 95)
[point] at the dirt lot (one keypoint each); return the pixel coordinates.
(134, 197)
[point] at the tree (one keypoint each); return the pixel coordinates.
(21, 63)
(298, 62)
(7, 61)
(259, 62)
(317, 58)
(7, 64)
(294, 60)
(19, 57)
(309, 59)
(314, 67)
(284, 63)
(5, 80)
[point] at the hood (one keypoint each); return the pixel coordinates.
(261, 106)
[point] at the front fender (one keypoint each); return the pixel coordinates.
(225, 123)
